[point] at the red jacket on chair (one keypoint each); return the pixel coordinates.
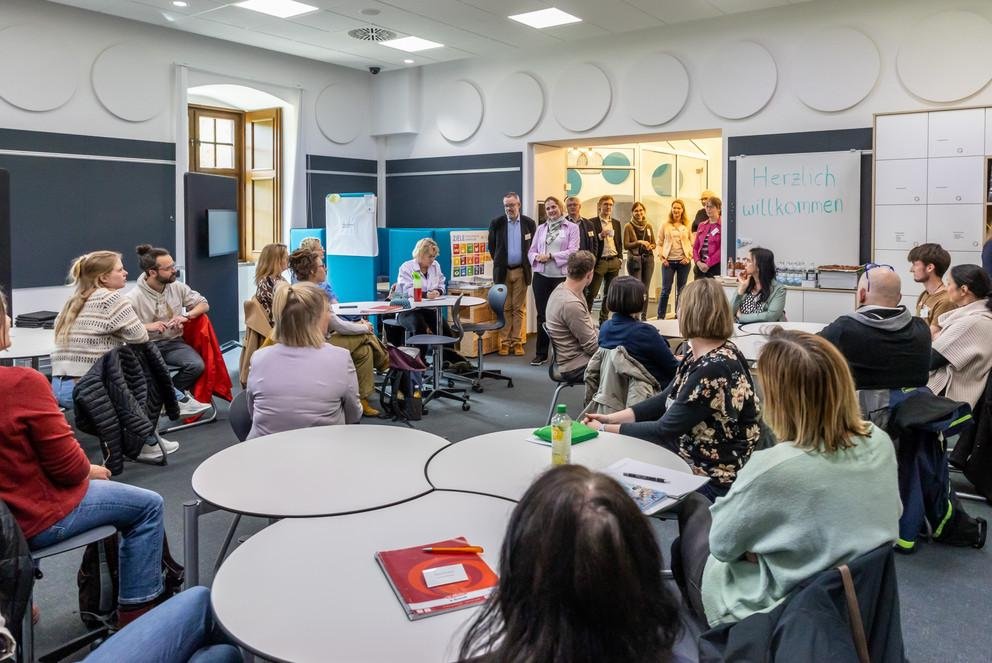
(199, 334)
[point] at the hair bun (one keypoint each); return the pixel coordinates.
(142, 249)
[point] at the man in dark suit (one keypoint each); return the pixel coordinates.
(588, 237)
(510, 236)
(609, 253)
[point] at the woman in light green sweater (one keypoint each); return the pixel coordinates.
(823, 497)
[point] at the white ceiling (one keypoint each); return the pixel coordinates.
(467, 28)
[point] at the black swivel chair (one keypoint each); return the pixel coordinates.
(437, 342)
(496, 300)
(555, 374)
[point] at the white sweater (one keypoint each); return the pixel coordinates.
(964, 342)
(106, 321)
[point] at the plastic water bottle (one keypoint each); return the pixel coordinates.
(561, 437)
(418, 291)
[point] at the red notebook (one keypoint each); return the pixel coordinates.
(404, 569)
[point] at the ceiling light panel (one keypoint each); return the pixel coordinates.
(545, 18)
(412, 44)
(277, 8)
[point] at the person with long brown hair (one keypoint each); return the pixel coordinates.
(675, 254)
(824, 495)
(639, 240)
(272, 262)
(596, 595)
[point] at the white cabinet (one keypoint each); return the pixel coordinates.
(955, 180)
(956, 133)
(900, 227)
(794, 305)
(901, 182)
(955, 227)
(825, 307)
(899, 260)
(965, 258)
(901, 136)
(988, 131)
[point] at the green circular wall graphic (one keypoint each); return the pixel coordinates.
(616, 159)
(661, 180)
(574, 180)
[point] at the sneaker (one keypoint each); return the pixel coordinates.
(192, 407)
(983, 528)
(153, 452)
(538, 360)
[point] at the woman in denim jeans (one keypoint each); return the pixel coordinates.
(55, 493)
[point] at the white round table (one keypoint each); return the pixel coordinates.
(765, 328)
(375, 308)
(321, 471)
(29, 344)
(311, 590)
(505, 463)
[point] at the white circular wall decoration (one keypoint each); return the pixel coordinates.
(38, 70)
(460, 114)
(517, 104)
(739, 80)
(341, 110)
(945, 57)
(130, 82)
(597, 95)
(655, 89)
(835, 69)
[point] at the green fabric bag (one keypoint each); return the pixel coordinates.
(580, 433)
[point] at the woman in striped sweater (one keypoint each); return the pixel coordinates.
(95, 320)
(961, 357)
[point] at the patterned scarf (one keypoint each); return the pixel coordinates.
(554, 227)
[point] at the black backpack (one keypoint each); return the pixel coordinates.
(400, 392)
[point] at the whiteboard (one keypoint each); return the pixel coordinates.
(351, 228)
(804, 207)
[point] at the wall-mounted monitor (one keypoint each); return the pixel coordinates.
(222, 232)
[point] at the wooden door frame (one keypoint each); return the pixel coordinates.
(194, 111)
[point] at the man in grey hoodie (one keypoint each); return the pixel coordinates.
(884, 344)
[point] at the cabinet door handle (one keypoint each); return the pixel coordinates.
(941, 187)
(960, 150)
(957, 197)
(916, 197)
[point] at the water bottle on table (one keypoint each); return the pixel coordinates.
(418, 288)
(561, 437)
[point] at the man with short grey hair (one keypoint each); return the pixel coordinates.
(510, 236)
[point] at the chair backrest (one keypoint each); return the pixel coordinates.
(553, 371)
(239, 416)
(497, 302)
(456, 319)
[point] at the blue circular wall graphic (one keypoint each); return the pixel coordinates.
(616, 159)
(574, 180)
(661, 180)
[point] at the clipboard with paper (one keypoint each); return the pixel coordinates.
(654, 496)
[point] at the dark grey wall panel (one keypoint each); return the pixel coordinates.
(466, 192)
(5, 283)
(214, 278)
(43, 141)
(62, 207)
(797, 143)
(340, 175)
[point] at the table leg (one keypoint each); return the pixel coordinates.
(191, 542)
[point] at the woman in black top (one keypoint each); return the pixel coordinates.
(709, 415)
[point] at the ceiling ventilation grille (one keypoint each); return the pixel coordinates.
(371, 33)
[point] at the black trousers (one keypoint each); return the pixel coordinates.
(691, 550)
(714, 271)
(644, 273)
(543, 286)
(677, 272)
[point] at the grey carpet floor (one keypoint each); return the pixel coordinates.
(944, 591)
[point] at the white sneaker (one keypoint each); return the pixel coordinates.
(153, 452)
(192, 407)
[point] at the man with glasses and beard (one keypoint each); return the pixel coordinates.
(164, 305)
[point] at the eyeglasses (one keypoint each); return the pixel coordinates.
(870, 266)
(167, 268)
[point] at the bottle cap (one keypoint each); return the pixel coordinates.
(562, 408)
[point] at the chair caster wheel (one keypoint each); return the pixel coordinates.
(509, 384)
(451, 383)
(466, 407)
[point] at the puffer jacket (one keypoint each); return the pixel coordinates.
(615, 380)
(120, 398)
(16, 572)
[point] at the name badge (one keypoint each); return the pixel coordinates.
(714, 231)
(527, 236)
(590, 233)
(925, 312)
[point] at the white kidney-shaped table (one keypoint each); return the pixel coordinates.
(749, 338)
(28, 343)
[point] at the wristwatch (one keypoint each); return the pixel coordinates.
(602, 427)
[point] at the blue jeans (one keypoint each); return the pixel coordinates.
(62, 388)
(137, 515)
(181, 629)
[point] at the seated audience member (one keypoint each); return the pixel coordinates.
(94, 321)
(301, 381)
(313, 244)
(367, 352)
(760, 297)
(164, 305)
(424, 263)
(884, 345)
(54, 492)
(823, 496)
(928, 262)
(712, 420)
(570, 326)
(962, 355)
(272, 262)
(642, 341)
(555, 240)
(597, 595)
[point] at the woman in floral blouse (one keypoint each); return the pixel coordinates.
(272, 262)
(709, 415)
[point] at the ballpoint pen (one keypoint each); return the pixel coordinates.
(454, 550)
(645, 477)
